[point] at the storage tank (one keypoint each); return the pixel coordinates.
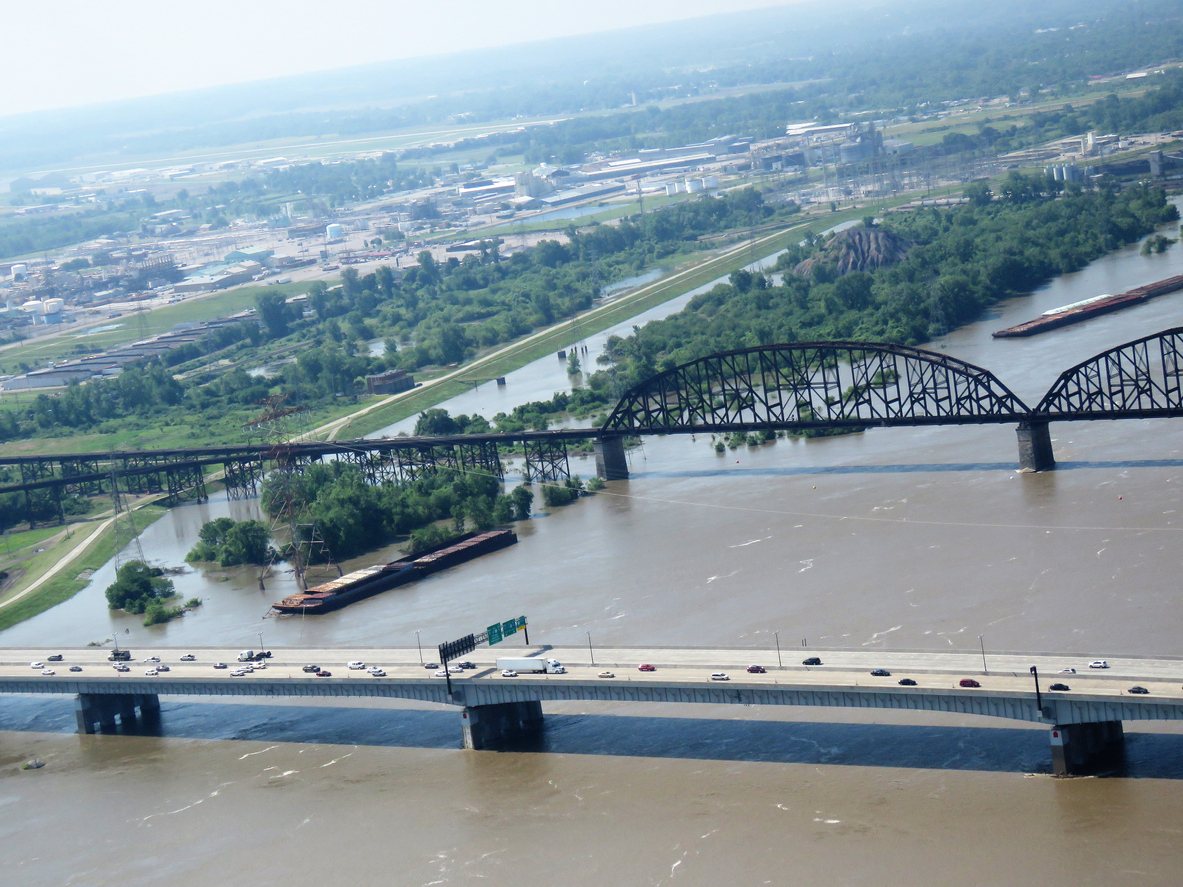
(19, 272)
(334, 232)
(693, 186)
(53, 306)
(33, 306)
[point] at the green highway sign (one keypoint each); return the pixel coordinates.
(495, 636)
(508, 628)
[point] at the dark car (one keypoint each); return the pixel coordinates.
(311, 669)
(969, 682)
(75, 668)
(467, 664)
(757, 669)
(324, 674)
(1139, 691)
(812, 660)
(56, 657)
(907, 682)
(1060, 687)
(880, 673)
(430, 665)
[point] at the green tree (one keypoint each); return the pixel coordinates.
(136, 586)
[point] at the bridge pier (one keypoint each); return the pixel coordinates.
(102, 709)
(1078, 749)
(484, 726)
(611, 463)
(1035, 446)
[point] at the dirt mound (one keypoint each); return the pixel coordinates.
(858, 249)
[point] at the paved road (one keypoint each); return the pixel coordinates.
(1007, 672)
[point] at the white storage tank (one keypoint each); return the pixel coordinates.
(334, 232)
(19, 272)
(33, 306)
(693, 186)
(53, 306)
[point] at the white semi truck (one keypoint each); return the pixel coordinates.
(530, 665)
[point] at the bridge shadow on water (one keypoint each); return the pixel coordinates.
(989, 749)
(916, 468)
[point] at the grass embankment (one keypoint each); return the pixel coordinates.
(538, 345)
(97, 540)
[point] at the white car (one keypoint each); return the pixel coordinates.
(377, 673)
(605, 674)
(455, 669)
(48, 672)
(258, 666)
(442, 673)
(151, 659)
(719, 676)
(188, 657)
(1099, 663)
(237, 673)
(356, 665)
(151, 673)
(36, 665)
(1067, 671)
(509, 673)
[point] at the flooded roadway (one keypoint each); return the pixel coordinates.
(898, 538)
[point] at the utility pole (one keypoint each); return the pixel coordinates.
(590, 654)
(983, 643)
(419, 644)
(780, 664)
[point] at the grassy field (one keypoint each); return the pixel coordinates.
(133, 326)
(74, 577)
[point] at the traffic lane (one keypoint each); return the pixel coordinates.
(818, 678)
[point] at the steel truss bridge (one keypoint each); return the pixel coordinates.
(791, 387)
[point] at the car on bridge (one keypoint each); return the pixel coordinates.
(812, 660)
(36, 665)
(48, 672)
(356, 665)
(221, 665)
(880, 673)
(430, 665)
(719, 676)
(467, 664)
(1099, 663)
(56, 657)
(509, 673)
(151, 659)
(442, 673)
(75, 668)
(1059, 687)
(907, 682)
(238, 673)
(1067, 671)
(1137, 691)
(311, 669)
(121, 667)
(969, 682)
(151, 673)
(188, 657)
(757, 669)
(163, 668)
(605, 674)
(645, 666)
(377, 673)
(324, 673)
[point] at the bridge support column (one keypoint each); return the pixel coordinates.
(484, 726)
(103, 708)
(1078, 749)
(611, 463)
(1035, 446)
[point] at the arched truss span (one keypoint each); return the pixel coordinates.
(816, 385)
(1137, 380)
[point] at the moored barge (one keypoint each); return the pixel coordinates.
(369, 581)
(1083, 310)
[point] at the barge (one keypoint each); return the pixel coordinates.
(1097, 305)
(369, 581)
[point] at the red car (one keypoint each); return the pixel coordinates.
(756, 669)
(969, 682)
(324, 674)
(645, 666)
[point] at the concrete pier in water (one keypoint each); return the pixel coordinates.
(1080, 749)
(611, 462)
(1035, 447)
(101, 709)
(484, 726)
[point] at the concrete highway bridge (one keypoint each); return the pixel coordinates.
(1085, 721)
(795, 387)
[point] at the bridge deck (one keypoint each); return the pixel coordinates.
(682, 676)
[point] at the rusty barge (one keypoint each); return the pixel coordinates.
(369, 581)
(1083, 310)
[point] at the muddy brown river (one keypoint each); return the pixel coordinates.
(896, 538)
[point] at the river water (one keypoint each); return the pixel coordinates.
(900, 538)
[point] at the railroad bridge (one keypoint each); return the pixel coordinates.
(795, 387)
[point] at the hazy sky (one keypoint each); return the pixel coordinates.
(63, 53)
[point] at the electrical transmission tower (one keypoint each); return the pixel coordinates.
(127, 536)
(286, 499)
